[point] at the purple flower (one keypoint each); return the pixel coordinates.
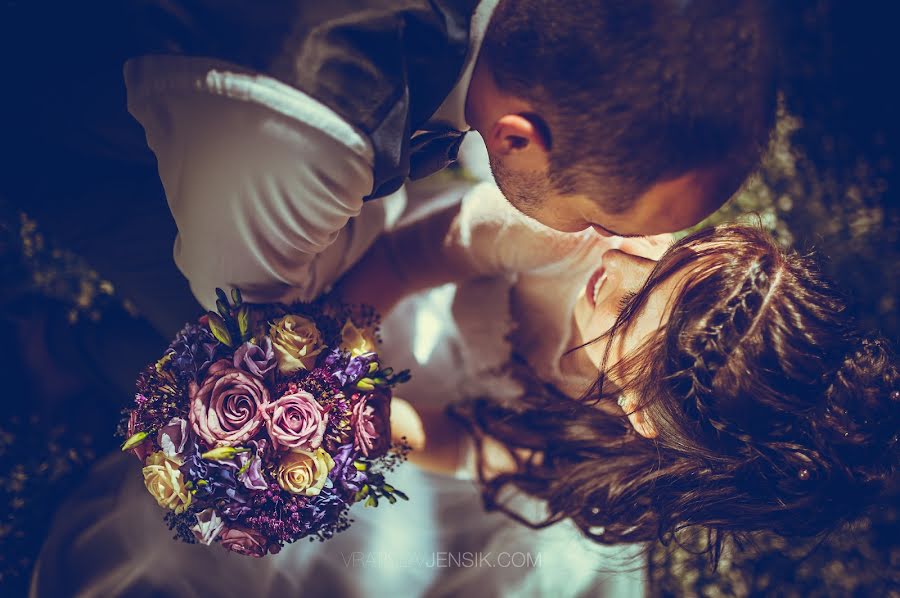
(259, 360)
(335, 359)
(215, 481)
(208, 526)
(349, 372)
(193, 351)
(173, 437)
(194, 469)
(346, 478)
(278, 515)
(234, 507)
(323, 510)
(251, 476)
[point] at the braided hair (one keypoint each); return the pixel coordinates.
(773, 413)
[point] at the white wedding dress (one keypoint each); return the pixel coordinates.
(109, 539)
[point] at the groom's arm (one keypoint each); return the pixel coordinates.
(261, 179)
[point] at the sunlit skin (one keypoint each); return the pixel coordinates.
(623, 272)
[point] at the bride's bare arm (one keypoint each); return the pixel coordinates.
(413, 258)
(441, 445)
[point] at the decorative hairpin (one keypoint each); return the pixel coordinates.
(621, 401)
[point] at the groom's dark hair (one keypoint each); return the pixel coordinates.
(635, 92)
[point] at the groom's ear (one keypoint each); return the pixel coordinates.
(521, 141)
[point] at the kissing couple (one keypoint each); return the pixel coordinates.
(623, 385)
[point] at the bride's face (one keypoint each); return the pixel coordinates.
(622, 273)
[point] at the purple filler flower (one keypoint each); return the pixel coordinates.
(259, 359)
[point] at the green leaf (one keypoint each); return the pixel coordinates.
(360, 466)
(373, 367)
(236, 297)
(400, 494)
(219, 329)
(390, 498)
(243, 322)
(135, 440)
(371, 501)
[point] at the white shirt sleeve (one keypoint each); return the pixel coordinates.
(264, 182)
(496, 238)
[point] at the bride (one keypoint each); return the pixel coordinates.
(724, 399)
(718, 386)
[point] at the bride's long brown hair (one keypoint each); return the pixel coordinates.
(772, 412)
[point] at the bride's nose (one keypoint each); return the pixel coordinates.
(631, 270)
(650, 248)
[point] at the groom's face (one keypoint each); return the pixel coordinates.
(667, 206)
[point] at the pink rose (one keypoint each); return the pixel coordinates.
(227, 409)
(371, 422)
(244, 541)
(296, 421)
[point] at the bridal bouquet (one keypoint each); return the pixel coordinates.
(262, 425)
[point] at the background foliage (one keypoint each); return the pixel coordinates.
(829, 183)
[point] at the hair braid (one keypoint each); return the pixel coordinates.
(720, 334)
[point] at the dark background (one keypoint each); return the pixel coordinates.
(829, 183)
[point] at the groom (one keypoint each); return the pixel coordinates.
(276, 127)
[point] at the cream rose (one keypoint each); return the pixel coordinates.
(357, 341)
(304, 472)
(297, 342)
(163, 480)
